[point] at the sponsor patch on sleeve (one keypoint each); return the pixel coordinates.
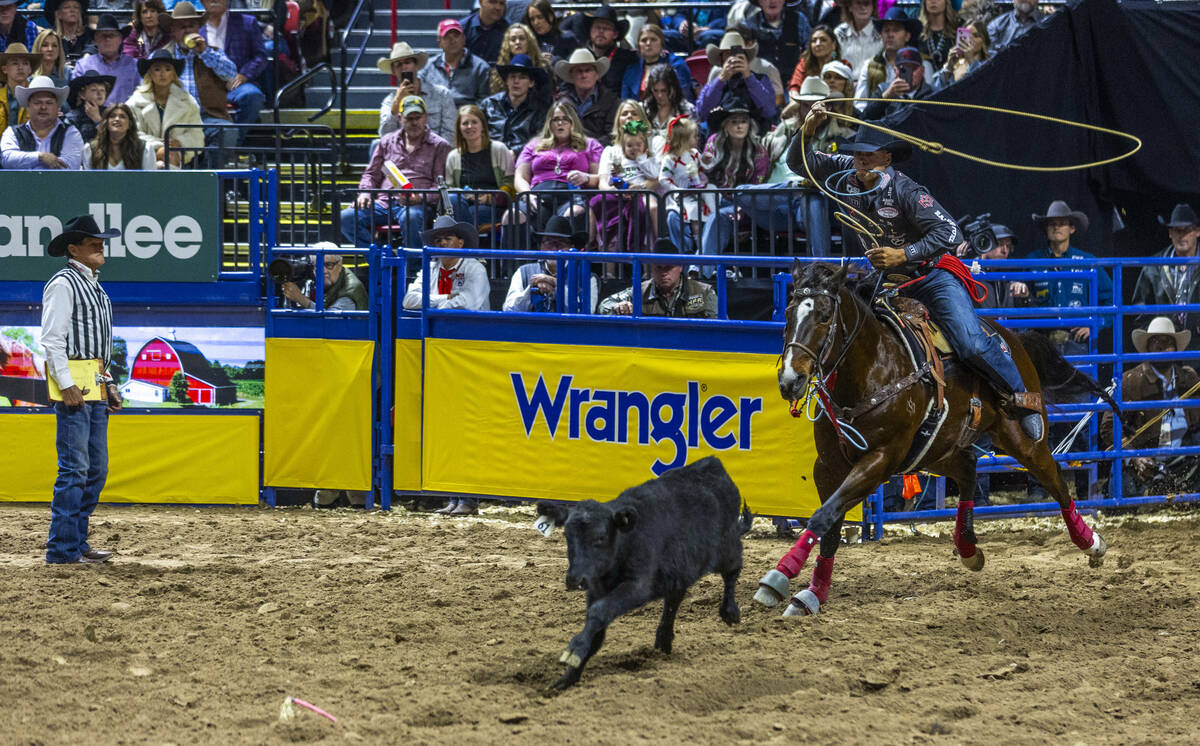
(925, 201)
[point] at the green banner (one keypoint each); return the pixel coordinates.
(170, 222)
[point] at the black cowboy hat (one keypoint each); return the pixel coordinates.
(716, 117)
(604, 13)
(108, 22)
(75, 231)
(896, 14)
(78, 83)
(1183, 216)
(160, 55)
(560, 227)
(51, 8)
(870, 139)
(447, 224)
(523, 63)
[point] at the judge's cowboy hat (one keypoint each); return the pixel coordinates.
(79, 82)
(522, 63)
(40, 83)
(401, 51)
(579, 57)
(75, 231)
(51, 8)
(561, 228)
(730, 41)
(160, 55)
(896, 14)
(1183, 216)
(19, 50)
(1060, 209)
(447, 224)
(604, 13)
(870, 139)
(1160, 326)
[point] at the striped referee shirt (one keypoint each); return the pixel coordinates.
(76, 321)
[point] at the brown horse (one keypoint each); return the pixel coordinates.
(865, 379)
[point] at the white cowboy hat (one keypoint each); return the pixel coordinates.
(812, 89)
(730, 40)
(40, 83)
(563, 68)
(401, 51)
(1161, 326)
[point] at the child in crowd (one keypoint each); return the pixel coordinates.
(681, 170)
(627, 165)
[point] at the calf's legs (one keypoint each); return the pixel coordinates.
(600, 613)
(666, 626)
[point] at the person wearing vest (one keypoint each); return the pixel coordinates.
(534, 286)
(44, 141)
(206, 70)
(666, 293)
(77, 325)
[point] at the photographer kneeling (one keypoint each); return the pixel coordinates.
(343, 290)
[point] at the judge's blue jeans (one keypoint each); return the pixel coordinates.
(82, 442)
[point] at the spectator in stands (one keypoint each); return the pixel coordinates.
(781, 32)
(897, 31)
(420, 155)
(651, 52)
(909, 67)
(519, 39)
(534, 286)
(666, 293)
(481, 165)
(15, 28)
(1006, 28)
(86, 98)
(962, 60)
(241, 40)
(555, 43)
(663, 100)
(1158, 380)
(822, 49)
(69, 19)
(514, 116)
(206, 72)
(625, 222)
(160, 102)
(109, 61)
(839, 77)
(1060, 223)
(43, 142)
(562, 157)
(148, 35)
(404, 64)
(1167, 285)
(681, 170)
(460, 282)
(736, 86)
(51, 61)
(698, 28)
(593, 102)
(16, 64)
(733, 157)
(343, 290)
(455, 68)
(758, 65)
(857, 36)
(484, 30)
(604, 30)
(117, 146)
(939, 28)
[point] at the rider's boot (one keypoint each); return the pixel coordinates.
(1015, 401)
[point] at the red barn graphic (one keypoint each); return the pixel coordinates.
(160, 359)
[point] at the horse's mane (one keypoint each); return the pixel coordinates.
(859, 280)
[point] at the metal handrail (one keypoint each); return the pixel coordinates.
(312, 73)
(348, 72)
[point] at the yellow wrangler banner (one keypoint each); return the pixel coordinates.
(572, 422)
(317, 427)
(406, 418)
(151, 458)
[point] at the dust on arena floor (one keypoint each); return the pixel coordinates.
(422, 629)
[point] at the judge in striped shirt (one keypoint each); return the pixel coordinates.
(77, 325)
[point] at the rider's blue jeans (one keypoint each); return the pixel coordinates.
(951, 307)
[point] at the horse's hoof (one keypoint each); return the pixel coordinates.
(974, 563)
(1096, 553)
(804, 603)
(772, 589)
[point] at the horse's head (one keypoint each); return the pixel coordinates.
(811, 317)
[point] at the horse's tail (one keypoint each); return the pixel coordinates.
(1061, 381)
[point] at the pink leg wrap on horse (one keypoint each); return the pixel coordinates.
(821, 576)
(966, 549)
(1080, 533)
(793, 562)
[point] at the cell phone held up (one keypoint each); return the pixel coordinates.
(963, 37)
(407, 76)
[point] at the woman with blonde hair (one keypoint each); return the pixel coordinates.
(53, 63)
(479, 165)
(939, 25)
(520, 39)
(160, 102)
(69, 19)
(117, 146)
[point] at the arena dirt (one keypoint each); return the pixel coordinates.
(420, 629)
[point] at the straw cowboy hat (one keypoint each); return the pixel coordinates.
(447, 224)
(729, 41)
(401, 51)
(1164, 327)
(75, 231)
(563, 68)
(812, 89)
(19, 50)
(40, 83)
(183, 11)
(1183, 216)
(1060, 209)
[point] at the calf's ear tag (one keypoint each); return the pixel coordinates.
(544, 525)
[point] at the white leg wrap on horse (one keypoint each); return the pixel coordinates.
(773, 588)
(803, 603)
(1096, 553)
